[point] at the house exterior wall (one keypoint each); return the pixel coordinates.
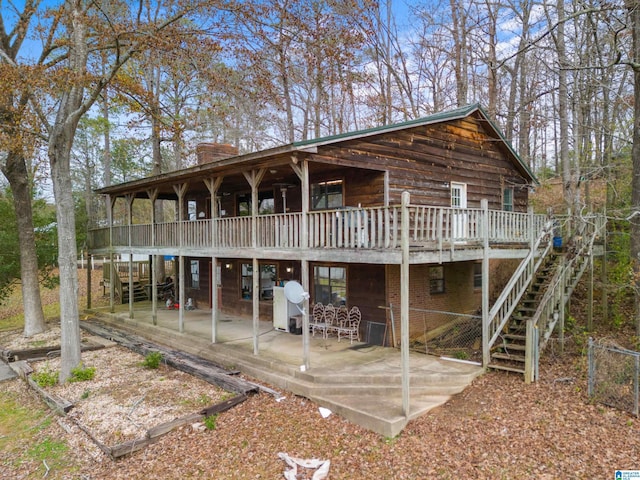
(459, 296)
(425, 160)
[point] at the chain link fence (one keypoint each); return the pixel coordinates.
(614, 373)
(435, 332)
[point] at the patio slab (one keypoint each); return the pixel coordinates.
(359, 382)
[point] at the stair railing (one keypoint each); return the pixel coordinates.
(541, 325)
(517, 286)
(117, 283)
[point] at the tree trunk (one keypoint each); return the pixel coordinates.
(61, 133)
(634, 17)
(59, 158)
(16, 172)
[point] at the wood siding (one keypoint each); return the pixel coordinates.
(425, 160)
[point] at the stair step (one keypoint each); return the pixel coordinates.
(497, 366)
(527, 309)
(512, 346)
(507, 356)
(513, 336)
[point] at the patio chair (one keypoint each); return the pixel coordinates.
(317, 320)
(330, 319)
(352, 330)
(342, 316)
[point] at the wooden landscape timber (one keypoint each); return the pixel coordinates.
(198, 367)
(181, 361)
(153, 434)
(44, 352)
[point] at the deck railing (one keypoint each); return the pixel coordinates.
(369, 228)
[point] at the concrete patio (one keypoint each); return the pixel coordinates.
(362, 383)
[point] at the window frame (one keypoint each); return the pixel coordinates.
(246, 280)
(436, 281)
(477, 276)
(326, 194)
(336, 286)
(507, 203)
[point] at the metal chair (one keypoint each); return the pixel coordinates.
(352, 330)
(330, 320)
(317, 320)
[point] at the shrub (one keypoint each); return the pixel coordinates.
(82, 374)
(210, 422)
(45, 378)
(152, 360)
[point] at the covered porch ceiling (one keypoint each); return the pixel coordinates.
(278, 172)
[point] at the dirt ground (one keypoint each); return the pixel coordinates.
(498, 428)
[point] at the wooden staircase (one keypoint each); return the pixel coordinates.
(139, 293)
(509, 352)
(520, 333)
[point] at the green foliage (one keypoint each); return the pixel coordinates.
(46, 377)
(46, 243)
(210, 421)
(152, 360)
(48, 449)
(620, 276)
(82, 374)
(461, 355)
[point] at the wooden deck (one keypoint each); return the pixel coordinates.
(377, 229)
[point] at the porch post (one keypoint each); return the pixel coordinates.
(89, 265)
(213, 184)
(111, 204)
(153, 195)
(180, 191)
(486, 354)
(304, 264)
(130, 198)
(254, 178)
(301, 169)
(404, 303)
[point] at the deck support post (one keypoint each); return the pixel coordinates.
(404, 303)
(111, 202)
(254, 177)
(130, 199)
(153, 196)
(304, 264)
(181, 190)
(486, 354)
(530, 355)
(213, 184)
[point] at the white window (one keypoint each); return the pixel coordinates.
(507, 199)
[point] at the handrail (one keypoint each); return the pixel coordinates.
(430, 227)
(506, 303)
(554, 298)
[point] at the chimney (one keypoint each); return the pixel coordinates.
(212, 152)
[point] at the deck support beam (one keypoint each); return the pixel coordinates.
(213, 185)
(130, 199)
(152, 193)
(304, 264)
(404, 304)
(254, 177)
(181, 190)
(111, 203)
(486, 354)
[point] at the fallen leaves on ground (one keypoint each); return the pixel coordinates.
(499, 427)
